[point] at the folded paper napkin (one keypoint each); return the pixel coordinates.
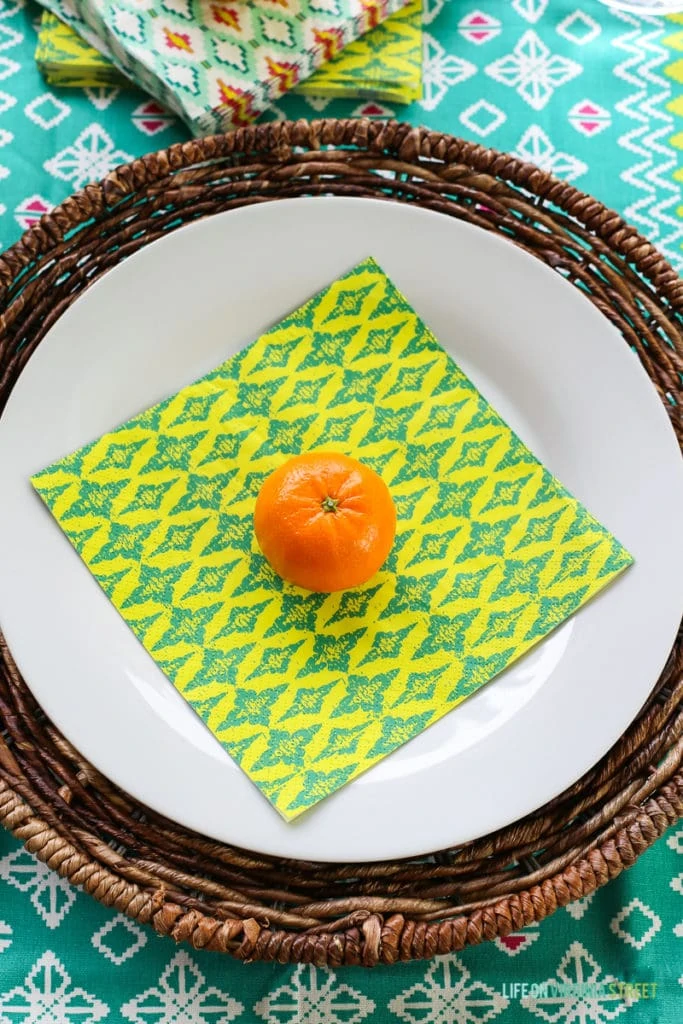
(384, 64)
(305, 690)
(216, 64)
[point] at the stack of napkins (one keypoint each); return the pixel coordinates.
(384, 64)
(220, 65)
(304, 690)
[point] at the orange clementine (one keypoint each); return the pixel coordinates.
(324, 521)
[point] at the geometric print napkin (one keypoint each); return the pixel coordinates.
(218, 65)
(385, 63)
(306, 691)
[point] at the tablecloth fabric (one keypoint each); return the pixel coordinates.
(595, 96)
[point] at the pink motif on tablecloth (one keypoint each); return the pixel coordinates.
(151, 118)
(514, 943)
(373, 110)
(479, 28)
(31, 210)
(589, 117)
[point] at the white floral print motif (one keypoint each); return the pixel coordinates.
(314, 996)
(51, 895)
(181, 996)
(586, 997)
(448, 994)
(533, 70)
(90, 157)
(440, 71)
(47, 997)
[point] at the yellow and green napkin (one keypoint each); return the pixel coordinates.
(306, 691)
(384, 64)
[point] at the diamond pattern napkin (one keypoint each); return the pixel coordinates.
(308, 690)
(220, 65)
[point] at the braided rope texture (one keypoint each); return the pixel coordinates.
(218, 897)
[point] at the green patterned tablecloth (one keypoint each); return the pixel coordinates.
(593, 96)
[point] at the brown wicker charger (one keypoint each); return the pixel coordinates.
(216, 896)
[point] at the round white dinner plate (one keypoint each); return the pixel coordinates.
(552, 365)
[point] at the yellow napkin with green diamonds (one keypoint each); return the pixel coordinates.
(306, 691)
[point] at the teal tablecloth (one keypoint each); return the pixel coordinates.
(593, 96)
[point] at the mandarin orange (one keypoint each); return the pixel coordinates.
(325, 521)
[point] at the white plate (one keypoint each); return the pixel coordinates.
(553, 366)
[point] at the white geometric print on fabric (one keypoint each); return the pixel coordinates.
(517, 942)
(102, 97)
(482, 118)
(47, 111)
(91, 156)
(118, 946)
(8, 8)
(531, 10)
(5, 936)
(579, 28)
(447, 993)
(440, 71)
(533, 71)
(313, 995)
(579, 907)
(675, 842)
(6, 102)
(181, 996)
(8, 67)
(654, 211)
(46, 997)
(431, 9)
(51, 895)
(318, 103)
(630, 918)
(9, 37)
(585, 996)
(536, 147)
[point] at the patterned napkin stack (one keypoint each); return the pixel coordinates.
(220, 64)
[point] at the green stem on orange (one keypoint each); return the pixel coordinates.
(329, 504)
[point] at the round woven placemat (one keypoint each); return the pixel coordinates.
(221, 898)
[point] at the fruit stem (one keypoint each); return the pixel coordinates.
(329, 504)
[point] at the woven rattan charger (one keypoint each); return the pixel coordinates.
(221, 898)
